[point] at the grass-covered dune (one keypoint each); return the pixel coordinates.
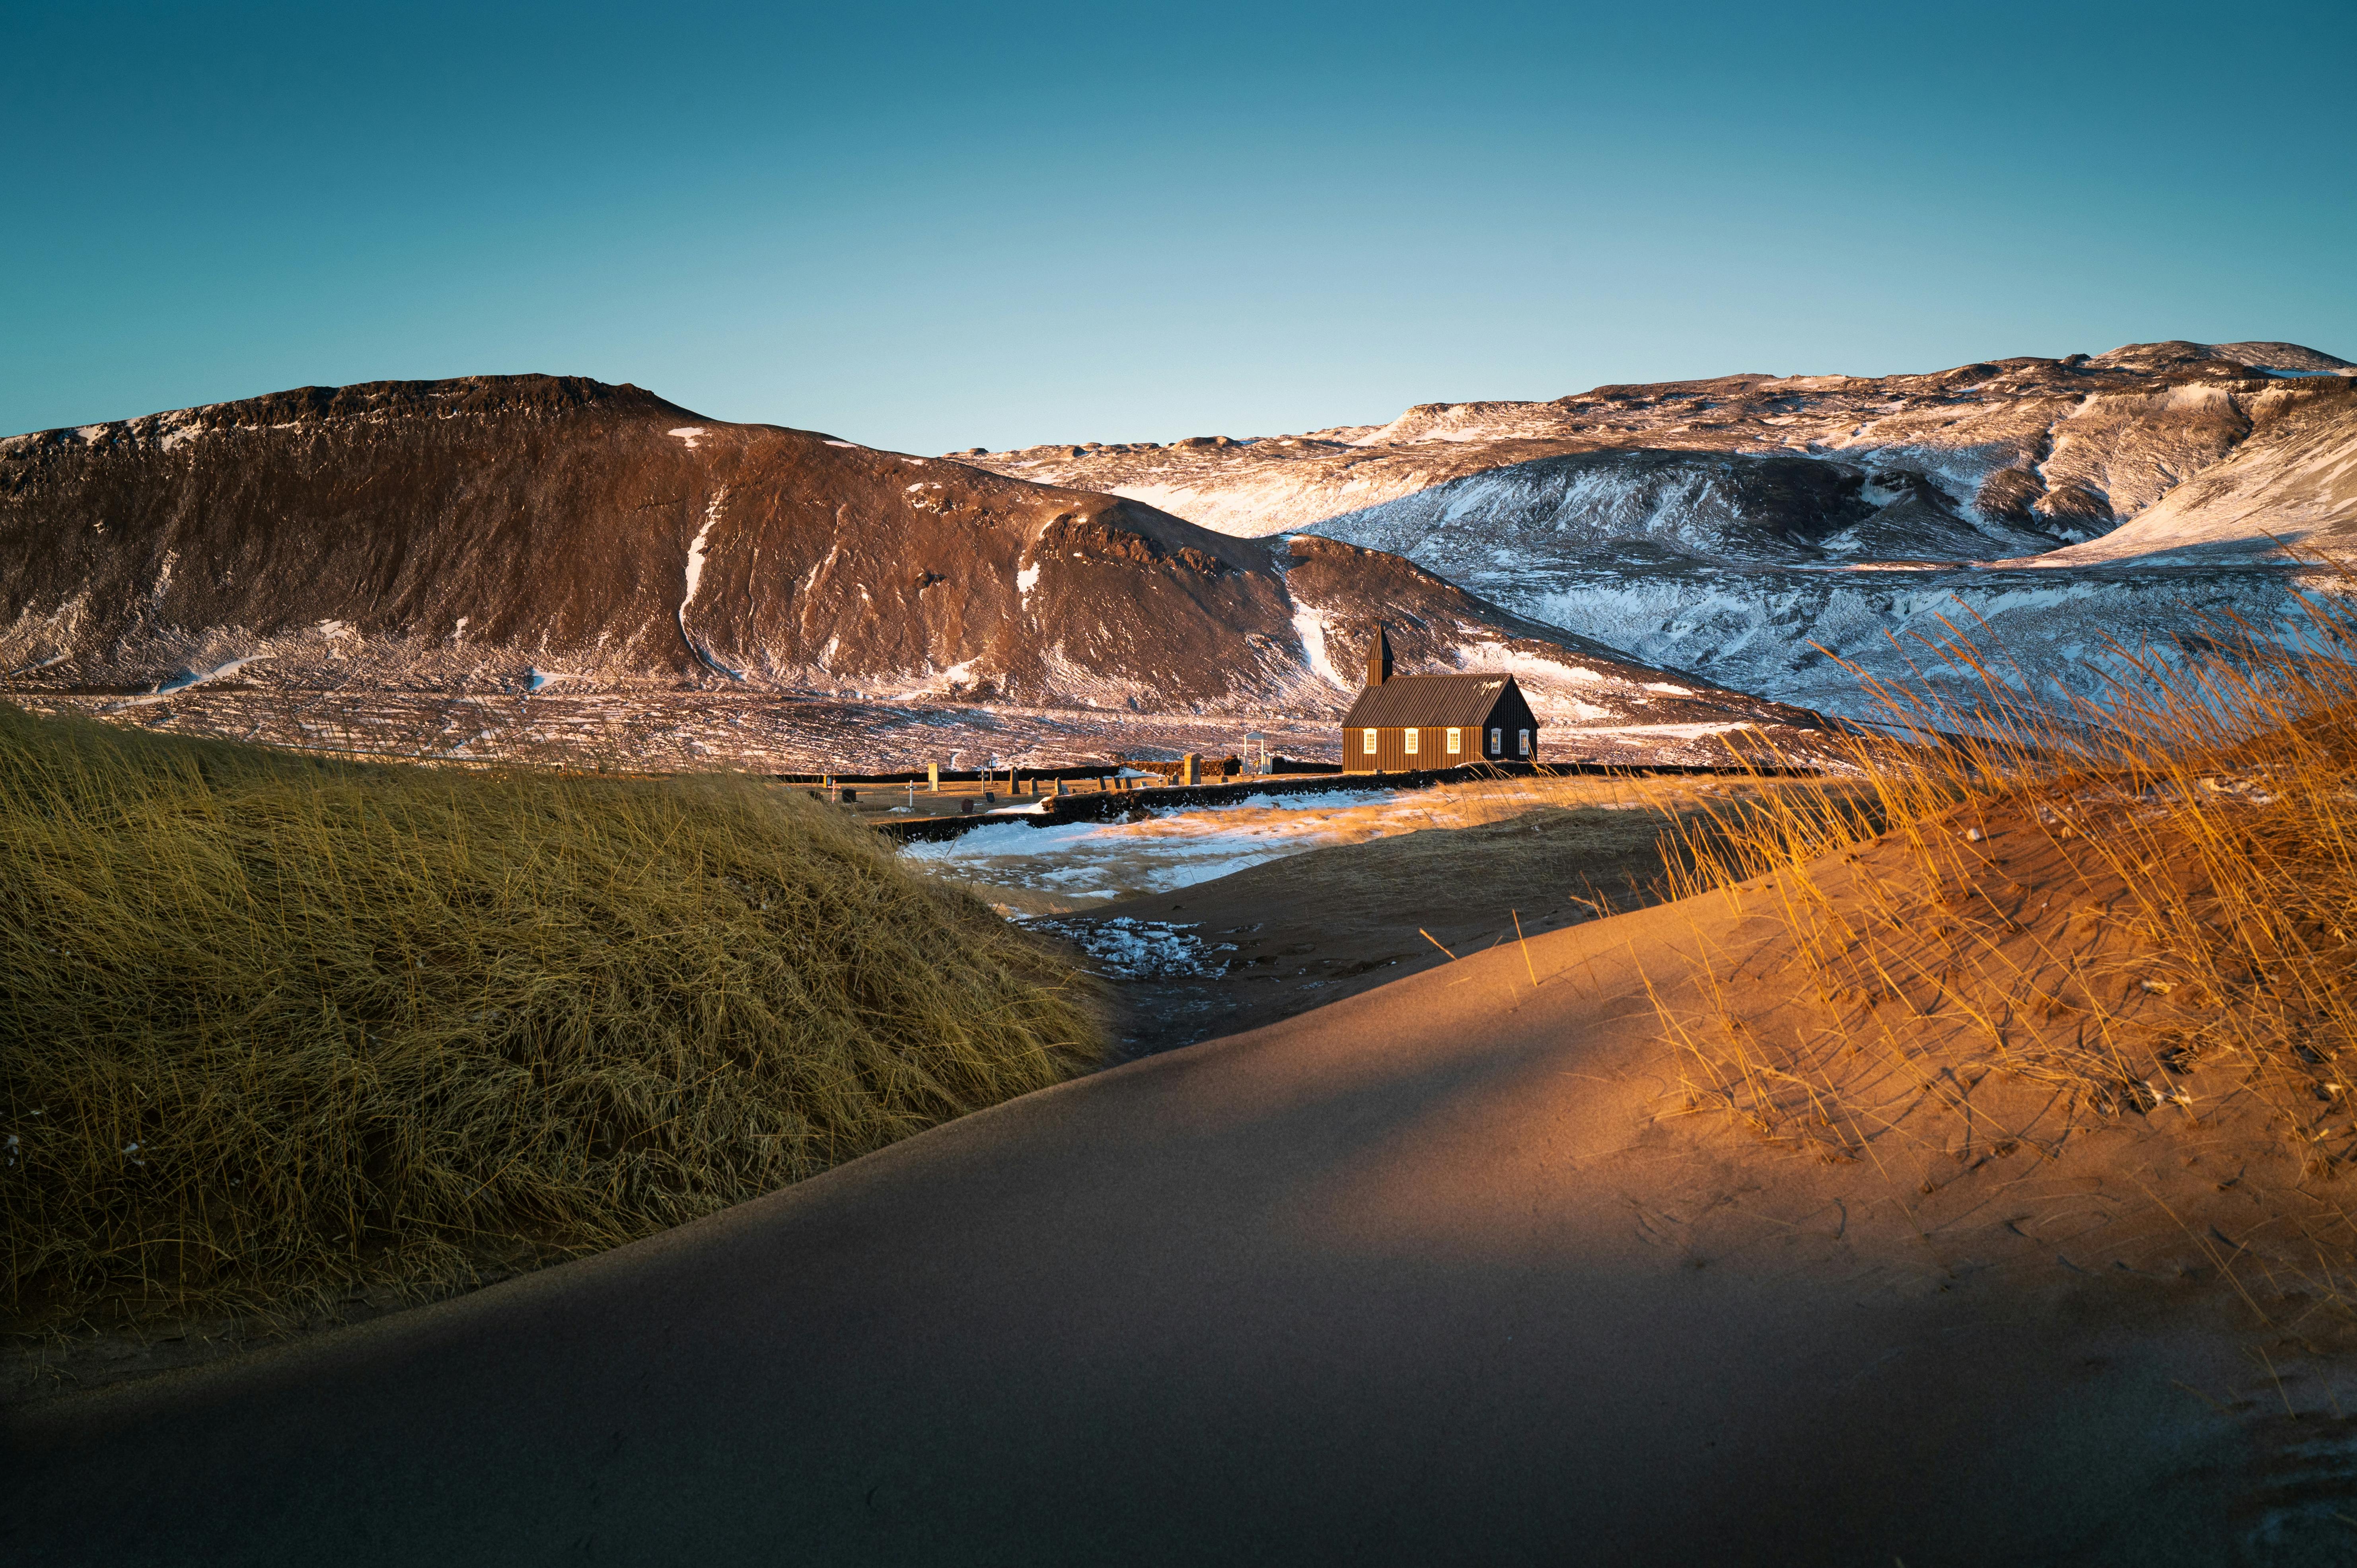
(274, 1028)
(2143, 907)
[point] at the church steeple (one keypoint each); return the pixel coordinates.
(1379, 660)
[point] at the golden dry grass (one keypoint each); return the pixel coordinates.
(272, 1028)
(2102, 900)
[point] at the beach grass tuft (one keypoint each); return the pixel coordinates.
(2145, 902)
(273, 1029)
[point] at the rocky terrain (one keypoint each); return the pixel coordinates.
(1736, 527)
(426, 544)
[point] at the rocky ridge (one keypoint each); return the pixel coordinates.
(514, 532)
(1769, 533)
(1998, 458)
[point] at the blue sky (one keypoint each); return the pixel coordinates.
(930, 227)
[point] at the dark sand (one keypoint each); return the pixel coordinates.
(1315, 927)
(1439, 1273)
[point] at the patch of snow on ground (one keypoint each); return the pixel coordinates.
(690, 433)
(1094, 861)
(1666, 732)
(187, 680)
(1126, 949)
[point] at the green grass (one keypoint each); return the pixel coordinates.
(272, 1028)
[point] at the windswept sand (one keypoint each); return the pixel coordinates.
(1445, 1271)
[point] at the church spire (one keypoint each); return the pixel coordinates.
(1379, 660)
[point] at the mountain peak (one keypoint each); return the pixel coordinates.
(457, 396)
(2283, 359)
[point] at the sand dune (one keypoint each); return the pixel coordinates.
(1442, 1272)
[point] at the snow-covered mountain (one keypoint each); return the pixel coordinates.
(506, 533)
(1721, 526)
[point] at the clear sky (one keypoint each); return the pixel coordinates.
(929, 227)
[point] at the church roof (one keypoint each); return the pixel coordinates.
(1413, 702)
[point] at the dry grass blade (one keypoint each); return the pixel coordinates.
(2096, 896)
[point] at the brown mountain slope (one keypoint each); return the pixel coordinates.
(505, 531)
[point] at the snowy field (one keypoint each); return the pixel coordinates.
(1078, 864)
(1074, 865)
(688, 731)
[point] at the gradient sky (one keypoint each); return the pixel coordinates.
(928, 227)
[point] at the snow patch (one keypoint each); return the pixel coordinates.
(1126, 949)
(187, 680)
(691, 434)
(1172, 848)
(695, 553)
(1309, 626)
(695, 580)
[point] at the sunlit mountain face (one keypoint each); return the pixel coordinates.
(1766, 533)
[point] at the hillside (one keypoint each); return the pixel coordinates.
(1741, 528)
(2007, 456)
(504, 533)
(276, 1028)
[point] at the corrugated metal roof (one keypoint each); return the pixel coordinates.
(1417, 701)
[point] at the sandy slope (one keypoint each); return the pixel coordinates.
(1433, 1275)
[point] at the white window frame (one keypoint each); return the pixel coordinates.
(1524, 737)
(1408, 738)
(1456, 743)
(1497, 741)
(1372, 744)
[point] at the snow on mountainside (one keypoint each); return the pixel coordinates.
(1986, 458)
(1793, 631)
(2290, 489)
(1708, 524)
(512, 532)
